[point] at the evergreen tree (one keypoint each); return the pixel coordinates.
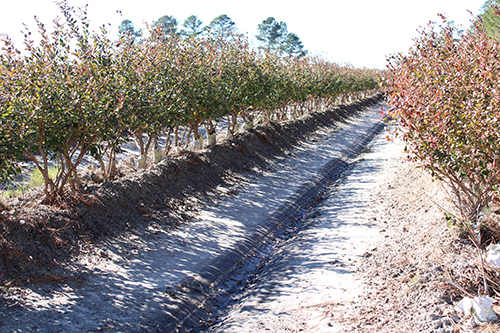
(192, 26)
(222, 26)
(293, 46)
(274, 35)
(126, 28)
(168, 25)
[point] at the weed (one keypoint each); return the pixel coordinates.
(35, 180)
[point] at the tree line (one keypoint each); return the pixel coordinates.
(76, 92)
(273, 35)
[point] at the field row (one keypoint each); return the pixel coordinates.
(76, 92)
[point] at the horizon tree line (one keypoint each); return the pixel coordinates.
(273, 35)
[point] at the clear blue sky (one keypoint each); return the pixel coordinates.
(360, 32)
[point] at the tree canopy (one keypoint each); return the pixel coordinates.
(127, 28)
(222, 26)
(192, 26)
(272, 32)
(274, 36)
(293, 46)
(168, 25)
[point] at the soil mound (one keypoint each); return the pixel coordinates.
(35, 239)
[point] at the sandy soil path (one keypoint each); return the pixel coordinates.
(313, 282)
(315, 272)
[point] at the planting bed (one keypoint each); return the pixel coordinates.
(116, 256)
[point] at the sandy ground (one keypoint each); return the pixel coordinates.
(129, 283)
(315, 272)
(373, 256)
(319, 280)
(368, 256)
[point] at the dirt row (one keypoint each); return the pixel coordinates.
(36, 239)
(424, 267)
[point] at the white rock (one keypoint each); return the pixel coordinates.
(478, 307)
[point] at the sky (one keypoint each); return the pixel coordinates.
(361, 33)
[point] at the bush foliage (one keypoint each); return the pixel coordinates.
(76, 92)
(446, 94)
